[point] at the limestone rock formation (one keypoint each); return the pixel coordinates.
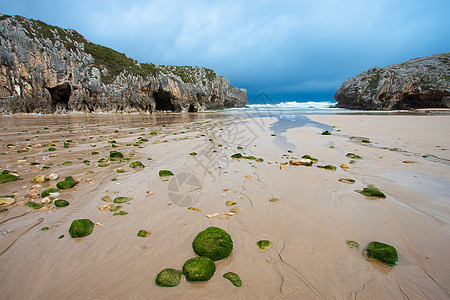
(418, 83)
(47, 69)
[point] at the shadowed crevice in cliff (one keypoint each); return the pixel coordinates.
(60, 96)
(165, 102)
(192, 108)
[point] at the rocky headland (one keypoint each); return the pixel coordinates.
(47, 69)
(418, 83)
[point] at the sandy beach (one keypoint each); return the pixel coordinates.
(311, 216)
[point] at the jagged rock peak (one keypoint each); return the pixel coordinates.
(44, 68)
(418, 83)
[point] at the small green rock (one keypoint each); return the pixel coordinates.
(163, 173)
(48, 192)
(382, 252)
(61, 203)
(236, 155)
(168, 278)
(193, 153)
(353, 156)
(61, 236)
(352, 244)
(45, 228)
(372, 191)
(143, 233)
(199, 269)
(326, 132)
(347, 180)
(122, 199)
(153, 133)
(116, 208)
(66, 184)
(120, 213)
(234, 278)
(263, 245)
(137, 164)
(34, 205)
(329, 167)
(8, 177)
(115, 154)
(103, 164)
(81, 228)
(214, 243)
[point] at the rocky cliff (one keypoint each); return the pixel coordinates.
(46, 69)
(418, 83)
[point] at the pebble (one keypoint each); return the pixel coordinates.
(46, 200)
(345, 166)
(283, 168)
(248, 176)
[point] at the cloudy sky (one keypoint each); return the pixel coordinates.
(290, 50)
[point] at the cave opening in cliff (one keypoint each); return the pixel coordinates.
(192, 108)
(60, 96)
(163, 101)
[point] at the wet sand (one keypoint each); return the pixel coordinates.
(308, 226)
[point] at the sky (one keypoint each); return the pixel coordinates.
(287, 50)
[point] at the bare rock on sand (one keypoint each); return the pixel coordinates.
(301, 162)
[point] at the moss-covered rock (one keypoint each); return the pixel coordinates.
(307, 156)
(122, 199)
(81, 228)
(199, 269)
(8, 177)
(163, 173)
(353, 156)
(120, 213)
(61, 203)
(49, 191)
(214, 243)
(168, 278)
(236, 155)
(382, 252)
(347, 180)
(34, 205)
(115, 154)
(372, 191)
(143, 233)
(66, 184)
(352, 244)
(137, 164)
(234, 278)
(326, 132)
(263, 245)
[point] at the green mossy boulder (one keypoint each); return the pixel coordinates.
(353, 156)
(234, 278)
(382, 252)
(81, 228)
(49, 191)
(163, 173)
(34, 205)
(137, 164)
(61, 203)
(236, 155)
(168, 278)
(199, 269)
(122, 199)
(306, 156)
(372, 191)
(326, 132)
(8, 177)
(329, 167)
(214, 243)
(115, 154)
(143, 233)
(263, 245)
(66, 184)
